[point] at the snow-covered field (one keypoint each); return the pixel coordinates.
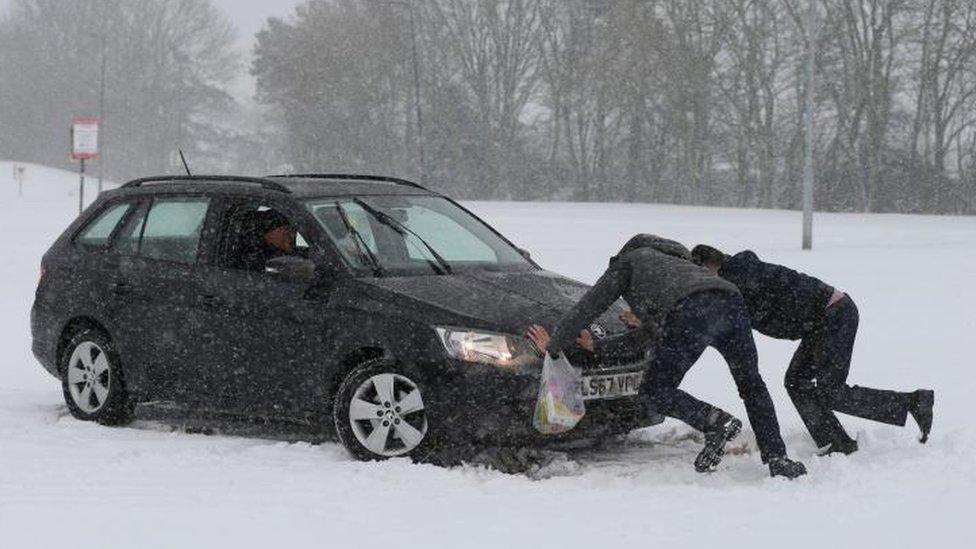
(65, 483)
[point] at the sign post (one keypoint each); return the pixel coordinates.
(20, 174)
(84, 146)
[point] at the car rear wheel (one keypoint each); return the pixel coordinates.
(91, 378)
(380, 413)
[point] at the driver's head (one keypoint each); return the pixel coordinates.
(278, 232)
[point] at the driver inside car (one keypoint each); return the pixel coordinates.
(272, 236)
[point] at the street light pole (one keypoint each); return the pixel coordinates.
(808, 128)
(101, 120)
(416, 97)
(102, 36)
(416, 82)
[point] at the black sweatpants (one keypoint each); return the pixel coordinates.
(817, 380)
(720, 320)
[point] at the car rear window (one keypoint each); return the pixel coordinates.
(98, 232)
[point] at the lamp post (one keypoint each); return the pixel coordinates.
(416, 81)
(812, 33)
(102, 37)
(101, 118)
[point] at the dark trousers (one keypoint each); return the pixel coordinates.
(719, 320)
(817, 380)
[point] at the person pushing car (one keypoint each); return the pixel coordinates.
(683, 309)
(786, 304)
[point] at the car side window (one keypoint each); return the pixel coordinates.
(172, 228)
(253, 233)
(98, 232)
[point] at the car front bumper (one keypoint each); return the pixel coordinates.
(490, 405)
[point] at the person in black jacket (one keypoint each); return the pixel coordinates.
(267, 235)
(686, 309)
(786, 304)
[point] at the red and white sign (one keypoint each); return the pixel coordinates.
(84, 138)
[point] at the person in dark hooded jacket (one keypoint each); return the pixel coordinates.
(683, 309)
(786, 304)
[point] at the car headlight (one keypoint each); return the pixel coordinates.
(506, 351)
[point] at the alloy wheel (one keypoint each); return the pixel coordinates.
(89, 377)
(387, 415)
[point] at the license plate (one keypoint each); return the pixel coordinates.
(611, 386)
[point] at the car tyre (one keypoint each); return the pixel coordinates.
(92, 381)
(379, 413)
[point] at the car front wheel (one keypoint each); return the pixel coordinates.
(380, 413)
(91, 378)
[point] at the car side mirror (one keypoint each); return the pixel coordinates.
(524, 253)
(291, 268)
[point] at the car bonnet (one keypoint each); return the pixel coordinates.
(503, 301)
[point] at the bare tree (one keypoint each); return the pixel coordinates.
(945, 78)
(337, 75)
(689, 101)
(861, 43)
(495, 46)
(581, 56)
(168, 67)
(688, 51)
(750, 81)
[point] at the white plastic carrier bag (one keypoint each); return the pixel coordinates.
(559, 406)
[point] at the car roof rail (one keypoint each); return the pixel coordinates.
(263, 182)
(355, 177)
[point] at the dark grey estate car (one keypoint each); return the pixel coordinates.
(390, 314)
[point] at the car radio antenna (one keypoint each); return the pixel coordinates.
(185, 165)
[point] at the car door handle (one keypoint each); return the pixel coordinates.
(120, 287)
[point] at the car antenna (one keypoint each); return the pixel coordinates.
(185, 165)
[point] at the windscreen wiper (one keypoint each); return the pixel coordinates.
(360, 241)
(442, 266)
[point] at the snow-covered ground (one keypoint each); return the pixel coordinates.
(66, 483)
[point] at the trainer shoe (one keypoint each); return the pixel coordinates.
(846, 446)
(720, 428)
(786, 467)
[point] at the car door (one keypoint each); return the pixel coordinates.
(262, 333)
(94, 268)
(157, 283)
(93, 264)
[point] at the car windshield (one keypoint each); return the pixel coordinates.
(404, 235)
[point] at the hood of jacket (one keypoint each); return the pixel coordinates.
(663, 245)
